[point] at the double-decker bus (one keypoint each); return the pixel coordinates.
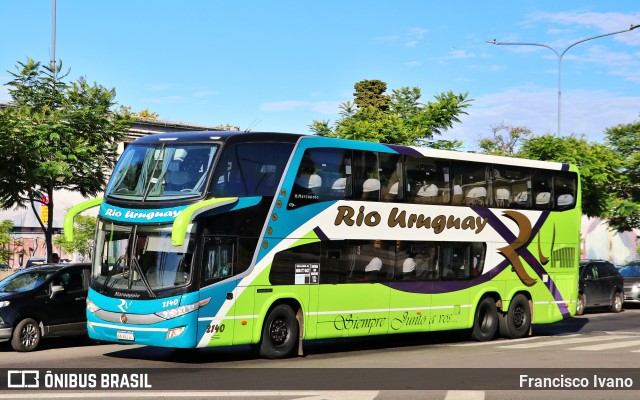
(227, 238)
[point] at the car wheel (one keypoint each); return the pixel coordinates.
(616, 304)
(582, 302)
(279, 333)
(26, 335)
(485, 322)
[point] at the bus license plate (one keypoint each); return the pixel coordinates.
(125, 335)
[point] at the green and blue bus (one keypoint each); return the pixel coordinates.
(268, 239)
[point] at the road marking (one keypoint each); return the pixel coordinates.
(464, 395)
(564, 341)
(607, 346)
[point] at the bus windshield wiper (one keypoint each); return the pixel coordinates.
(143, 278)
(111, 272)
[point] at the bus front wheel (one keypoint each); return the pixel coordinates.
(517, 322)
(485, 322)
(279, 333)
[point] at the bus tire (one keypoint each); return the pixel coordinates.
(26, 335)
(582, 304)
(279, 333)
(485, 322)
(518, 318)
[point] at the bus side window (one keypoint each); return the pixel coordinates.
(366, 176)
(542, 190)
(427, 180)
(323, 174)
(564, 189)
(218, 259)
(391, 177)
(283, 267)
(456, 263)
(470, 184)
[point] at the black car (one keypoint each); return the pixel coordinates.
(600, 285)
(47, 300)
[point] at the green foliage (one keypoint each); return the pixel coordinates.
(370, 93)
(83, 236)
(5, 241)
(625, 142)
(506, 144)
(56, 135)
(399, 118)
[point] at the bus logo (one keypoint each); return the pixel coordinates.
(123, 318)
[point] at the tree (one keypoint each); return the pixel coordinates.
(5, 241)
(625, 142)
(399, 118)
(501, 145)
(83, 237)
(56, 135)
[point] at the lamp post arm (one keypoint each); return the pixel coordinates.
(523, 44)
(596, 37)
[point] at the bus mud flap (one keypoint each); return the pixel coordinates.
(300, 319)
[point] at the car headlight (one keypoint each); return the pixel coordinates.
(182, 310)
(4, 303)
(92, 307)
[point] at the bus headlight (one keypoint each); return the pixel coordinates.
(182, 310)
(4, 303)
(92, 307)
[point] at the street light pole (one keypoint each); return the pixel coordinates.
(560, 56)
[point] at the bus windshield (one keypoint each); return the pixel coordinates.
(140, 258)
(163, 171)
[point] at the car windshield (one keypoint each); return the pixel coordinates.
(630, 270)
(162, 171)
(23, 281)
(156, 263)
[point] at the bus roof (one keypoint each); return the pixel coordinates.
(217, 136)
(235, 136)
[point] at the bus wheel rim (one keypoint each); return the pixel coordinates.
(278, 331)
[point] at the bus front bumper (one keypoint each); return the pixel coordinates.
(177, 333)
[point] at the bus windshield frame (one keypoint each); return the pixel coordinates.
(162, 171)
(140, 259)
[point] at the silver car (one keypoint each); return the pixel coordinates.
(631, 273)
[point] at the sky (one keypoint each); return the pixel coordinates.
(280, 65)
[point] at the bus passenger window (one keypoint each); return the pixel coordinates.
(428, 180)
(471, 180)
(323, 174)
(366, 176)
(542, 190)
(511, 187)
(391, 178)
(564, 189)
(455, 261)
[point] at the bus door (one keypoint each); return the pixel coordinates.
(352, 300)
(217, 318)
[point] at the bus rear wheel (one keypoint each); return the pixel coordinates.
(279, 333)
(485, 322)
(517, 322)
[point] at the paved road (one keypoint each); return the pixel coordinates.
(594, 341)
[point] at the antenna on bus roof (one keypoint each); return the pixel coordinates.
(252, 125)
